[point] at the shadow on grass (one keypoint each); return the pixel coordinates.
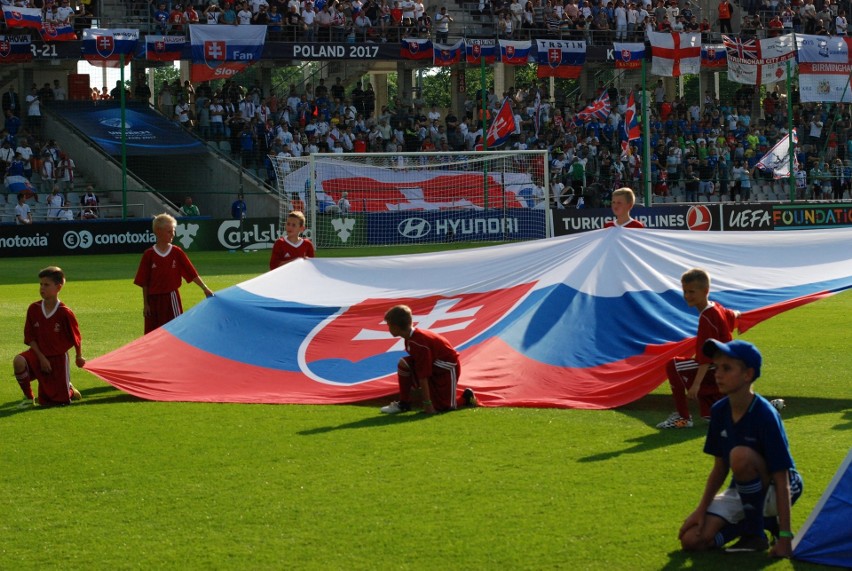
(90, 397)
(370, 422)
(714, 560)
(654, 408)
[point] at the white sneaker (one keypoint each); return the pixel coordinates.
(676, 422)
(27, 403)
(75, 394)
(396, 407)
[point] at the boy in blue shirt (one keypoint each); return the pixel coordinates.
(747, 438)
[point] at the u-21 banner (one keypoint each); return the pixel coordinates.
(824, 67)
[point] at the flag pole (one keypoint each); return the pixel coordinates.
(790, 145)
(484, 127)
(123, 142)
(646, 139)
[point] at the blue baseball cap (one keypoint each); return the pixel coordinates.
(736, 349)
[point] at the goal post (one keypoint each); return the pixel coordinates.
(380, 199)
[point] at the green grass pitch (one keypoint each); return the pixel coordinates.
(121, 483)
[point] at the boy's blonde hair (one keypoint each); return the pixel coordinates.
(162, 220)
(399, 315)
(696, 276)
(626, 193)
(54, 273)
(300, 215)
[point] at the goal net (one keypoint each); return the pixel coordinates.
(368, 199)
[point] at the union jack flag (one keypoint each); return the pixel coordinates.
(744, 49)
(599, 109)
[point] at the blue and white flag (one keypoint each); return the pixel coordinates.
(777, 160)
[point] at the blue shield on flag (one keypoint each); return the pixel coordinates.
(5, 48)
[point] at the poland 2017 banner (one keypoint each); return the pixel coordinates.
(220, 52)
(824, 68)
(583, 321)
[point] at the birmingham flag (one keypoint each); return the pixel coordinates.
(825, 64)
(583, 321)
(758, 62)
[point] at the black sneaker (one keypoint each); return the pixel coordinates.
(749, 544)
(469, 398)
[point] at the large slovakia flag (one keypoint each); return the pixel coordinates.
(220, 52)
(584, 321)
(560, 58)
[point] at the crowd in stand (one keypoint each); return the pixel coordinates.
(36, 170)
(596, 22)
(699, 150)
(76, 13)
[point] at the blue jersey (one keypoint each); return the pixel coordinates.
(760, 428)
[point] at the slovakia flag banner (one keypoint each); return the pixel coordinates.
(164, 48)
(416, 48)
(478, 50)
(628, 55)
(20, 17)
(104, 48)
(714, 56)
(825, 65)
(675, 54)
(446, 55)
(58, 32)
(513, 52)
(15, 48)
(560, 58)
(586, 321)
(759, 62)
(220, 52)
(502, 127)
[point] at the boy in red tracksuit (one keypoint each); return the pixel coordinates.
(288, 248)
(695, 379)
(432, 365)
(50, 330)
(161, 269)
